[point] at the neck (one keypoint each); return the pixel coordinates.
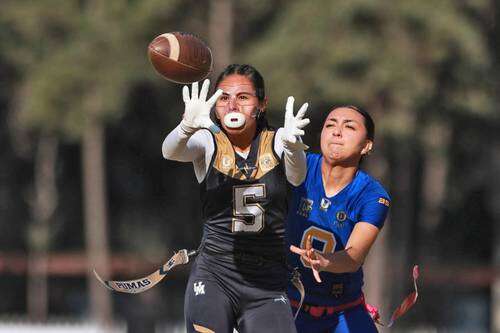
(336, 176)
(241, 141)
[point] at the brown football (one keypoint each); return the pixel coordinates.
(180, 57)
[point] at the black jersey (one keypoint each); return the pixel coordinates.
(244, 201)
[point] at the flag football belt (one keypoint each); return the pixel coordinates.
(318, 311)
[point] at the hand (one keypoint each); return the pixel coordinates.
(197, 109)
(293, 128)
(312, 257)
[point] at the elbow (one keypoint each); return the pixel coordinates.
(354, 267)
(167, 154)
(296, 181)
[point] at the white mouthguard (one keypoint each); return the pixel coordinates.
(234, 120)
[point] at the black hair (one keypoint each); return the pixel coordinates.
(258, 82)
(250, 72)
(368, 120)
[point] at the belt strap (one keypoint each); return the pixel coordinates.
(319, 310)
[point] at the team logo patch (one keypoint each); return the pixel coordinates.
(281, 299)
(324, 204)
(384, 202)
(226, 162)
(341, 216)
(247, 169)
(266, 162)
(337, 289)
(305, 207)
(199, 288)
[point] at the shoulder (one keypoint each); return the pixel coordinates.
(371, 191)
(371, 185)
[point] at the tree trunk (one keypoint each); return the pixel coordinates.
(95, 216)
(495, 181)
(376, 264)
(495, 208)
(44, 204)
(221, 31)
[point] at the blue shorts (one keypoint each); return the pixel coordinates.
(353, 320)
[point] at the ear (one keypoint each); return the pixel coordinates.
(368, 147)
(263, 105)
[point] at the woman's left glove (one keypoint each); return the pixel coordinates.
(293, 128)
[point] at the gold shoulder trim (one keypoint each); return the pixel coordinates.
(266, 159)
(224, 159)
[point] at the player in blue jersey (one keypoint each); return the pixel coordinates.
(339, 210)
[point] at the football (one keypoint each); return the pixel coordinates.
(180, 57)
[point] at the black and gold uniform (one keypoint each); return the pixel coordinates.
(242, 258)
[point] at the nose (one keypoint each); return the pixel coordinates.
(336, 131)
(232, 103)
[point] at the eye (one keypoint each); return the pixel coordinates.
(243, 97)
(350, 127)
(224, 98)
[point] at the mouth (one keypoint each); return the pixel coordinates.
(234, 120)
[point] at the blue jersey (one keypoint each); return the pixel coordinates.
(330, 221)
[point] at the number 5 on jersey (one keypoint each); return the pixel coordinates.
(326, 238)
(248, 215)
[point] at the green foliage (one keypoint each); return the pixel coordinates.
(386, 55)
(77, 59)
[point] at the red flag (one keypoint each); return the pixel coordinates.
(406, 305)
(409, 301)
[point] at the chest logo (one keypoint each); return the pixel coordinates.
(266, 162)
(340, 216)
(324, 204)
(305, 207)
(226, 162)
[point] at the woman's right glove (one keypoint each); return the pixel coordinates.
(293, 128)
(197, 107)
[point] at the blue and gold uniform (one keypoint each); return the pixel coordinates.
(336, 304)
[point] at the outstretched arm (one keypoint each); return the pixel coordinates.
(181, 144)
(349, 260)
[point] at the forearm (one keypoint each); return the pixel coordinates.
(295, 164)
(175, 145)
(357, 248)
(346, 261)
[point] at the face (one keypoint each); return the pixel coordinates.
(344, 136)
(238, 97)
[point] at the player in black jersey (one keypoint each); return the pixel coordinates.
(245, 169)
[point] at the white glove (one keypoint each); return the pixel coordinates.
(293, 128)
(197, 109)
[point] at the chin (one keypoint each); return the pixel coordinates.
(234, 131)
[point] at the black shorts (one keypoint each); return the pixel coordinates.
(219, 299)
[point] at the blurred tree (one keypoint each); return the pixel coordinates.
(77, 60)
(38, 30)
(221, 33)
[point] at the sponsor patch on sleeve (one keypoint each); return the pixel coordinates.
(384, 202)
